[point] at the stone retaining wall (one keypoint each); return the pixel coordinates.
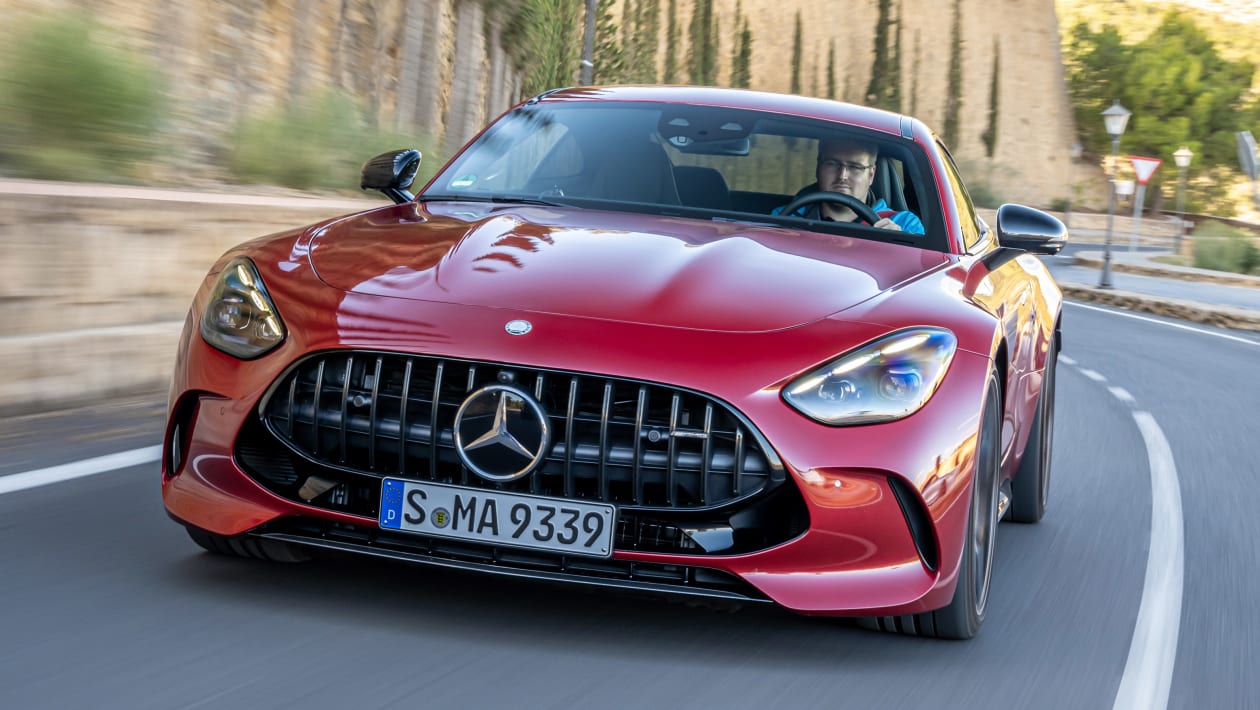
(94, 290)
(95, 281)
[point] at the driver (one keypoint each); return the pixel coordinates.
(847, 167)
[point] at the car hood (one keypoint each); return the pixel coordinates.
(666, 271)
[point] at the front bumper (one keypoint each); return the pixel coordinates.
(883, 537)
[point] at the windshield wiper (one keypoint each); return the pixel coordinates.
(493, 199)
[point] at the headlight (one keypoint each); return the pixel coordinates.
(882, 381)
(240, 318)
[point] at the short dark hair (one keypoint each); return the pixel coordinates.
(865, 146)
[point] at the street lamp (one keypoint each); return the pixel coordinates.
(1115, 119)
(1075, 153)
(1182, 157)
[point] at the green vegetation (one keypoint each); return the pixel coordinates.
(831, 69)
(314, 143)
(641, 27)
(990, 131)
(671, 44)
(741, 51)
(702, 52)
(795, 87)
(1180, 88)
(877, 90)
(953, 90)
(1224, 248)
(546, 41)
(610, 58)
(73, 108)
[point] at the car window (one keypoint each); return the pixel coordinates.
(662, 157)
(966, 210)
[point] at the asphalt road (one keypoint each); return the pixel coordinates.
(104, 603)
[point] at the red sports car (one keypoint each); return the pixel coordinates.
(675, 339)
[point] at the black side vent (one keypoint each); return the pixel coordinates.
(918, 521)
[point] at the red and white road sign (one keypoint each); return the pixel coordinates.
(1144, 167)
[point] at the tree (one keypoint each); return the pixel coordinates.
(741, 52)
(831, 69)
(641, 25)
(610, 56)
(1179, 88)
(796, 56)
(990, 131)
(546, 36)
(884, 89)
(953, 89)
(671, 45)
(702, 54)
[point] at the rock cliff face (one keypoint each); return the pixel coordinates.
(438, 67)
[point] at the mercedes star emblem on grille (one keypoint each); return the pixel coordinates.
(501, 433)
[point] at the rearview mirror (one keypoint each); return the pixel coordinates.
(392, 174)
(1020, 227)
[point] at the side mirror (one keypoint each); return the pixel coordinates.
(392, 173)
(1020, 227)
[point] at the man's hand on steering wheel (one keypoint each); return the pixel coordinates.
(860, 208)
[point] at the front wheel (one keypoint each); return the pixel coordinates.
(962, 618)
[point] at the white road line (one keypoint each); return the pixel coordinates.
(79, 469)
(1122, 394)
(1093, 375)
(1156, 321)
(1153, 652)
(1067, 360)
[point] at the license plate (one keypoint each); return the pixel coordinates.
(497, 518)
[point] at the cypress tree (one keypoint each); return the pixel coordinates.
(990, 132)
(875, 90)
(796, 56)
(671, 45)
(831, 69)
(953, 90)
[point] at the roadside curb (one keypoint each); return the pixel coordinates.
(1171, 272)
(1206, 314)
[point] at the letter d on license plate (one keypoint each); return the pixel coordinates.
(565, 526)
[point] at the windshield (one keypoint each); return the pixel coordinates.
(703, 162)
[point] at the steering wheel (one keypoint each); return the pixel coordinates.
(860, 208)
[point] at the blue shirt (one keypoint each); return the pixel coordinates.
(908, 221)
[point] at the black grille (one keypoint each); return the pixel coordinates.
(633, 444)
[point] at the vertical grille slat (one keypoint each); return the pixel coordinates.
(604, 414)
(626, 442)
(315, 408)
(433, 421)
(292, 407)
(535, 482)
(636, 472)
(376, 388)
(472, 384)
(674, 404)
(345, 403)
(402, 418)
(568, 437)
(706, 453)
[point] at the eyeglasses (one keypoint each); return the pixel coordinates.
(841, 166)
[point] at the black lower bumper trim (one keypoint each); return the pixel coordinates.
(620, 574)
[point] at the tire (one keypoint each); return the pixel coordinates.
(250, 547)
(962, 618)
(1030, 491)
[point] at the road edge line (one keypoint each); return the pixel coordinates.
(78, 469)
(1148, 670)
